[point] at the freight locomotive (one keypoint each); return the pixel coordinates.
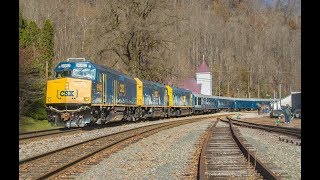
(84, 92)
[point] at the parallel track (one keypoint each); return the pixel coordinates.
(296, 132)
(37, 134)
(224, 154)
(58, 131)
(51, 163)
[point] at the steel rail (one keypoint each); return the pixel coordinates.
(201, 165)
(260, 167)
(35, 134)
(296, 132)
(257, 164)
(82, 145)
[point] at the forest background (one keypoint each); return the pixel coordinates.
(251, 46)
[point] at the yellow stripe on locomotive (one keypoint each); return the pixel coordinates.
(68, 91)
(169, 88)
(139, 92)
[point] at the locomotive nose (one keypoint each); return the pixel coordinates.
(68, 91)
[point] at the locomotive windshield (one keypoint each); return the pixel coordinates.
(82, 70)
(85, 73)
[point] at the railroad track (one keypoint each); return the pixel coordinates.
(296, 132)
(37, 134)
(225, 155)
(59, 131)
(44, 133)
(53, 163)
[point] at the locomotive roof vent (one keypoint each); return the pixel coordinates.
(76, 59)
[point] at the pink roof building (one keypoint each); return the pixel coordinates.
(199, 85)
(191, 84)
(204, 77)
(203, 67)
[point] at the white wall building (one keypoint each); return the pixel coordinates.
(293, 100)
(204, 77)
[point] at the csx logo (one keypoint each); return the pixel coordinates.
(66, 93)
(72, 94)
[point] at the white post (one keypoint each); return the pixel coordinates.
(280, 94)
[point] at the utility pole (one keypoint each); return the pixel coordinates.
(248, 84)
(274, 100)
(249, 81)
(220, 79)
(228, 88)
(219, 83)
(280, 93)
(258, 89)
(259, 81)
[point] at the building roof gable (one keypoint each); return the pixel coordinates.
(203, 67)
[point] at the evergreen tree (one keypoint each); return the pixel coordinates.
(47, 42)
(36, 47)
(23, 33)
(29, 34)
(33, 32)
(22, 23)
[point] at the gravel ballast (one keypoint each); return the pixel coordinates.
(41, 146)
(287, 156)
(168, 154)
(164, 155)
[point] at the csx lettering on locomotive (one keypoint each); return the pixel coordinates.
(66, 93)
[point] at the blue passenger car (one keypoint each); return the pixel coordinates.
(250, 104)
(241, 103)
(225, 102)
(204, 103)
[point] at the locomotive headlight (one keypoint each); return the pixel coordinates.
(86, 98)
(49, 99)
(67, 85)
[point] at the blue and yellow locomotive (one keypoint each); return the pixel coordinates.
(84, 93)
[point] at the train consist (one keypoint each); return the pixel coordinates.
(85, 93)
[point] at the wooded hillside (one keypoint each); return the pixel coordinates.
(250, 45)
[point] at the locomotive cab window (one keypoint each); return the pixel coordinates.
(84, 73)
(62, 74)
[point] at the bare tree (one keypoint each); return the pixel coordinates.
(161, 39)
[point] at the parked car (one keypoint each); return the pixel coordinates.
(297, 113)
(277, 113)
